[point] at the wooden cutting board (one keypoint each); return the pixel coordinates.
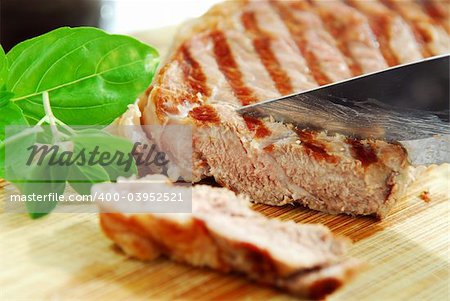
(65, 256)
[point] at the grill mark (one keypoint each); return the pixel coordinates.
(159, 100)
(162, 109)
(362, 152)
(201, 48)
(148, 90)
(421, 36)
(283, 46)
(269, 148)
(380, 27)
(437, 13)
(205, 114)
(262, 45)
(314, 148)
(297, 4)
(193, 73)
(230, 69)
(260, 260)
(298, 37)
(166, 99)
(336, 32)
(323, 287)
(257, 126)
(432, 10)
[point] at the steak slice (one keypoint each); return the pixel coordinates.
(242, 52)
(223, 233)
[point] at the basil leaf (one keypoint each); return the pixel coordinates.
(5, 97)
(14, 166)
(81, 177)
(85, 177)
(91, 76)
(120, 161)
(38, 209)
(35, 186)
(2, 159)
(11, 115)
(3, 67)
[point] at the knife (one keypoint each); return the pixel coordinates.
(407, 103)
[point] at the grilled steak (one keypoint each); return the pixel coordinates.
(243, 52)
(223, 233)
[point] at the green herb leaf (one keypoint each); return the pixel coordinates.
(120, 162)
(2, 159)
(5, 97)
(18, 140)
(11, 115)
(3, 67)
(86, 176)
(90, 75)
(35, 186)
(81, 178)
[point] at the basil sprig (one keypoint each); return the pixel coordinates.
(56, 170)
(90, 77)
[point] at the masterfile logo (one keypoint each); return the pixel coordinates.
(48, 167)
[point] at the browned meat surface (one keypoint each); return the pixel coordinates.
(223, 233)
(243, 52)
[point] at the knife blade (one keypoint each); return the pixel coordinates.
(407, 103)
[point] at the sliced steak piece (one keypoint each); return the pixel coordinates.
(331, 173)
(223, 233)
(243, 52)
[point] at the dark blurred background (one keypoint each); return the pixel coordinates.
(23, 19)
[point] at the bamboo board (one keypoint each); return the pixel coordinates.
(65, 256)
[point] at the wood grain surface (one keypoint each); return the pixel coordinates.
(65, 256)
